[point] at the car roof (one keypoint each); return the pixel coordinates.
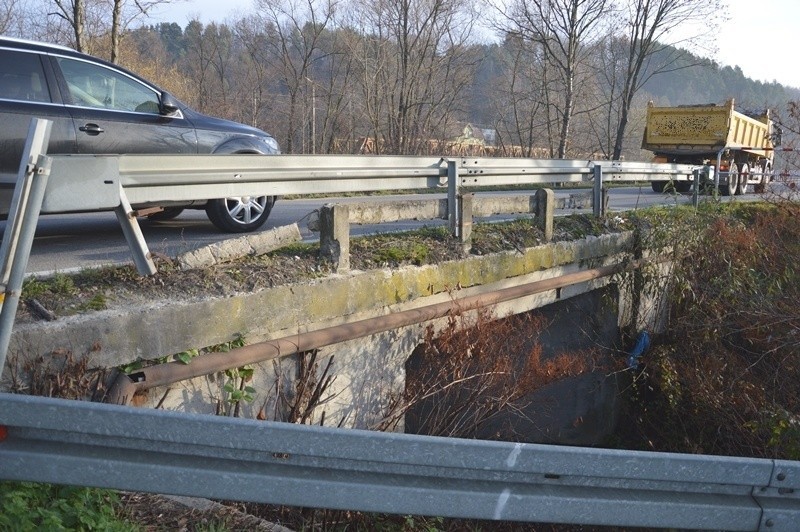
(42, 47)
(26, 44)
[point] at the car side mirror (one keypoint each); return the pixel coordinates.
(169, 104)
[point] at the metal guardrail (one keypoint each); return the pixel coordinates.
(80, 183)
(91, 182)
(93, 444)
(115, 182)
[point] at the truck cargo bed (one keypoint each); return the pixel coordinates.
(704, 129)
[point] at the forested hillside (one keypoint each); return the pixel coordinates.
(482, 102)
(413, 76)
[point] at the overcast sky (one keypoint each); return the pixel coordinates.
(761, 36)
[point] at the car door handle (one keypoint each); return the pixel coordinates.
(92, 129)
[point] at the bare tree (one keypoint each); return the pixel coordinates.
(299, 26)
(89, 20)
(336, 94)
(124, 13)
(73, 12)
(254, 73)
(564, 29)
(10, 12)
(520, 101)
(609, 55)
(414, 64)
(651, 31)
(198, 64)
(789, 137)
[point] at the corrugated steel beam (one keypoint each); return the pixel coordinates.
(93, 444)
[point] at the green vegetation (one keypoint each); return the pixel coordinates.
(428, 245)
(60, 285)
(27, 506)
(724, 378)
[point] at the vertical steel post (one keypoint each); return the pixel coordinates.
(23, 216)
(597, 199)
(133, 235)
(453, 189)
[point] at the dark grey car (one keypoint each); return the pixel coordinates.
(100, 108)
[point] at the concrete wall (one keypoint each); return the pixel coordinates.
(368, 371)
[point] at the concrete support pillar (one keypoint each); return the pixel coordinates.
(465, 221)
(545, 208)
(334, 235)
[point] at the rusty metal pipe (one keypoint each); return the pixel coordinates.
(125, 386)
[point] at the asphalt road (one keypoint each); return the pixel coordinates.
(71, 242)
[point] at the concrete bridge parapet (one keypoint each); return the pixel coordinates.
(367, 370)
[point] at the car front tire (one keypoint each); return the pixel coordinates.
(240, 214)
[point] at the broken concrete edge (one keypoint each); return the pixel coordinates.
(236, 248)
(206, 505)
(155, 330)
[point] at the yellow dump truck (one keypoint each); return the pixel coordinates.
(738, 146)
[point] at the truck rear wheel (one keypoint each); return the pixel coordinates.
(744, 176)
(766, 177)
(731, 184)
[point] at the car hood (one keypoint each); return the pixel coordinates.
(202, 121)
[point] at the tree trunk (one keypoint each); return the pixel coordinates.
(79, 17)
(116, 25)
(621, 127)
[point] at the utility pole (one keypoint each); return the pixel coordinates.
(313, 116)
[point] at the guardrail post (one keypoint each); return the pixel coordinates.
(453, 199)
(597, 199)
(698, 174)
(133, 235)
(465, 218)
(334, 235)
(23, 215)
(545, 209)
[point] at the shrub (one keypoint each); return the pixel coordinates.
(28, 506)
(726, 378)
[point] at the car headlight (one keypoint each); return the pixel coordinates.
(272, 144)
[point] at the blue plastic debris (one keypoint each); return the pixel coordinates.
(642, 344)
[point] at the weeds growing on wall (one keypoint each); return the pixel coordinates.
(311, 387)
(308, 392)
(57, 374)
(725, 379)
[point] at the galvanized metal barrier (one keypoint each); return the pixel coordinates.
(92, 444)
(115, 182)
(80, 183)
